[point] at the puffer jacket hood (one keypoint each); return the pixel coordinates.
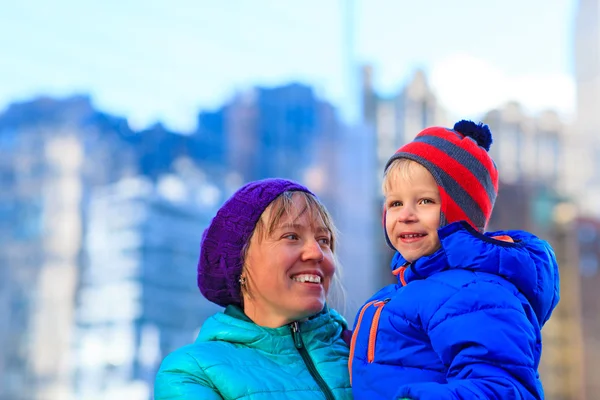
(528, 262)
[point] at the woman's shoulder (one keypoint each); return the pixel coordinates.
(210, 346)
(184, 372)
(196, 357)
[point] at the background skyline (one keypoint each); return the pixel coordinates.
(102, 210)
(159, 63)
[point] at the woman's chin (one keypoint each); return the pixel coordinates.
(312, 307)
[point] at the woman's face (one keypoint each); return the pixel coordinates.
(288, 270)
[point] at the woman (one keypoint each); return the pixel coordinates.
(268, 258)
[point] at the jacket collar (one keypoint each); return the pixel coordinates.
(233, 325)
(462, 247)
(528, 263)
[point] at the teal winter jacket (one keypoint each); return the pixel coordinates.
(233, 358)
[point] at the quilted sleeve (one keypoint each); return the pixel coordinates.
(491, 349)
(181, 378)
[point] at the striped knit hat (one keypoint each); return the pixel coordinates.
(466, 175)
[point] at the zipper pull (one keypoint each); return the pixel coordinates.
(381, 302)
(295, 328)
(399, 272)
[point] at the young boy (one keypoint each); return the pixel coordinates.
(464, 320)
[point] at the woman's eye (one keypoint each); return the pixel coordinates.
(290, 236)
(325, 241)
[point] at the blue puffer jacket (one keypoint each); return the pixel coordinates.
(233, 358)
(463, 323)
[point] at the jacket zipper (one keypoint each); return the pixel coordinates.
(373, 330)
(295, 328)
(400, 272)
(355, 335)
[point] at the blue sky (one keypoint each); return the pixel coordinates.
(165, 60)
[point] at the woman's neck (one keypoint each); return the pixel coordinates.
(270, 319)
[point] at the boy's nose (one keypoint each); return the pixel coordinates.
(407, 214)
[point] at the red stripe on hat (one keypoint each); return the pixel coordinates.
(470, 146)
(452, 211)
(461, 174)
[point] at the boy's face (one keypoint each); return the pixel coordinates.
(413, 208)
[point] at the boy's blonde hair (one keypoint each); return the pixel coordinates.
(399, 168)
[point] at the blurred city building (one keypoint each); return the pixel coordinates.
(582, 183)
(582, 168)
(587, 232)
(271, 131)
(138, 299)
(53, 155)
(528, 148)
(399, 117)
(563, 363)
(49, 153)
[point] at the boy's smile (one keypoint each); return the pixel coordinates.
(413, 211)
(411, 237)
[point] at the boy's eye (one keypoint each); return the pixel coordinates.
(395, 204)
(427, 201)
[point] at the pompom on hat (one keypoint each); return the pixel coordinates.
(466, 175)
(220, 264)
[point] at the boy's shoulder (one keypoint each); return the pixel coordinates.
(440, 284)
(461, 290)
(517, 236)
(421, 294)
(458, 278)
(385, 292)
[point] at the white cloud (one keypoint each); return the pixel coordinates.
(468, 86)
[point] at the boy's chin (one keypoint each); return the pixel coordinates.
(412, 256)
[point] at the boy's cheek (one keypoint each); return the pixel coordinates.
(437, 242)
(389, 223)
(388, 230)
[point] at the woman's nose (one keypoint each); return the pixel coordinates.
(313, 251)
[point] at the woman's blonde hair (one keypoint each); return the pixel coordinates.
(284, 205)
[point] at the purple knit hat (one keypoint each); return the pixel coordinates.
(220, 264)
